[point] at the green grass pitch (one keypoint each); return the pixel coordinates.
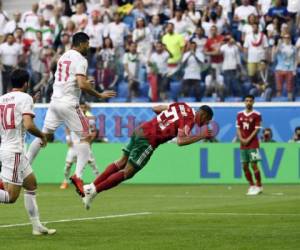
(160, 217)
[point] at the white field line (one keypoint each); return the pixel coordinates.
(80, 219)
(227, 214)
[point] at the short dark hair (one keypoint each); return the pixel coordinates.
(249, 96)
(297, 128)
(208, 110)
(79, 38)
(19, 77)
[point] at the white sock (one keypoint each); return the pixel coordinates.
(94, 167)
(83, 153)
(33, 149)
(32, 208)
(4, 196)
(67, 171)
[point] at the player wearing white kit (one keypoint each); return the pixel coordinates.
(70, 79)
(72, 139)
(16, 115)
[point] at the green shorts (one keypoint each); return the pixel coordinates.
(139, 151)
(250, 155)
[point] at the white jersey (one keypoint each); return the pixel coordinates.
(65, 88)
(13, 106)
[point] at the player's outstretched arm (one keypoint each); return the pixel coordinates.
(86, 86)
(183, 139)
(159, 108)
(32, 129)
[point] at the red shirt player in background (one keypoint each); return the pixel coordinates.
(248, 125)
(175, 120)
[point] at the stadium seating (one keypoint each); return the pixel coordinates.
(186, 99)
(233, 99)
(175, 87)
(280, 99)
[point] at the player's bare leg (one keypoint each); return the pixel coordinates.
(68, 167)
(30, 203)
(36, 145)
(82, 152)
(9, 193)
(249, 178)
(114, 174)
(259, 188)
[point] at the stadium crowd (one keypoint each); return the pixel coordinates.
(162, 50)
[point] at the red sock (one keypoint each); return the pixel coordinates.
(257, 177)
(248, 176)
(110, 169)
(112, 181)
(1, 185)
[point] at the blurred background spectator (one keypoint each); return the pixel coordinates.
(267, 135)
(296, 136)
(268, 31)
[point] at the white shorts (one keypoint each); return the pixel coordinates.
(72, 155)
(70, 115)
(15, 167)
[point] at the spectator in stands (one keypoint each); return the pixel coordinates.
(242, 12)
(46, 7)
(117, 31)
(248, 28)
(279, 11)
(214, 84)
(174, 43)
(142, 36)
(255, 49)
(95, 30)
(156, 28)
(192, 16)
(263, 6)
(154, 8)
(37, 65)
(199, 38)
(30, 18)
(267, 135)
(57, 24)
(65, 43)
(212, 49)
(80, 18)
(3, 20)
(11, 26)
(192, 65)
(131, 63)
(158, 70)
(10, 53)
(106, 71)
(138, 12)
(285, 54)
(107, 11)
(231, 65)
(181, 25)
(273, 31)
(70, 28)
(48, 35)
(296, 136)
(177, 4)
(263, 84)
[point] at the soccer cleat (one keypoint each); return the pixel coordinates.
(64, 185)
(259, 189)
(251, 190)
(78, 183)
(41, 230)
(89, 194)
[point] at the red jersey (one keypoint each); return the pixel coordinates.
(247, 123)
(165, 125)
(213, 44)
